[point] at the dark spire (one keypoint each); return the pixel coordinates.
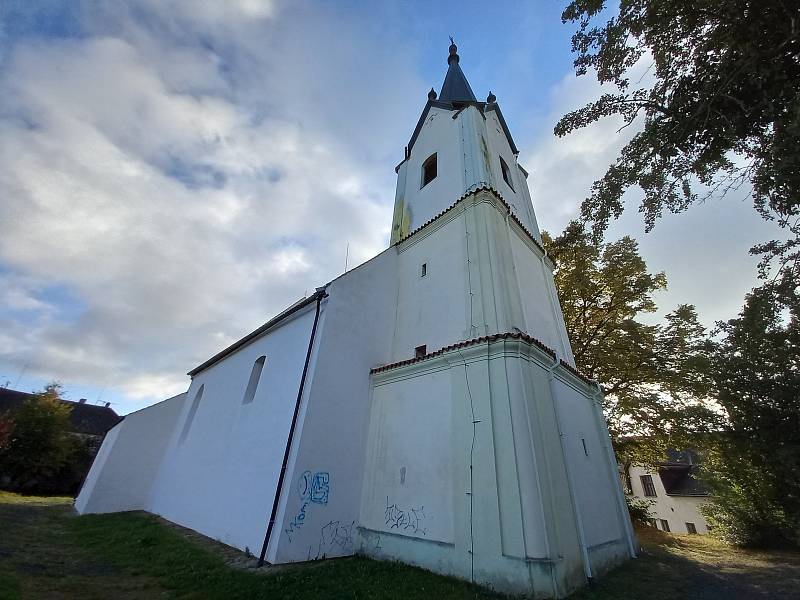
(455, 87)
(432, 94)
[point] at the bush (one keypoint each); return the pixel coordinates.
(639, 509)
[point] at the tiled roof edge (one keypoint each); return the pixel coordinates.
(482, 188)
(487, 338)
(578, 374)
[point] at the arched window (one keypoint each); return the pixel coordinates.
(192, 412)
(255, 376)
(428, 170)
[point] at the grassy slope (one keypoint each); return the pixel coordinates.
(47, 552)
(134, 555)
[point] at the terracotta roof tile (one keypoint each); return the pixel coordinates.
(483, 188)
(488, 338)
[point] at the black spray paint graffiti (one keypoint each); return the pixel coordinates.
(312, 489)
(407, 520)
(334, 537)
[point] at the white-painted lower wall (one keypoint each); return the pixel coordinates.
(676, 510)
(123, 472)
(220, 480)
(319, 505)
(465, 472)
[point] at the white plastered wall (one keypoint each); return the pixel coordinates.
(123, 472)
(440, 135)
(220, 480)
(320, 502)
(416, 501)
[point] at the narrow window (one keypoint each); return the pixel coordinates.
(192, 412)
(420, 351)
(690, 528)
(255, 375)
(585, 451)
(428, 170)
(647, 485)
(424, 270)
(506, 173)
(664, 525)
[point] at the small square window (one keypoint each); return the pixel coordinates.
(690, 528)
(420, 351)
(506, 173)
(423, 270)
(429, 171)
(664, 525)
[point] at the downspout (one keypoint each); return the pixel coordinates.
(320, 295)
(587, 567)
(622, 507)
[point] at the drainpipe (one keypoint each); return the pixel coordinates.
(320, 295)
(587, 567)
(622, 508)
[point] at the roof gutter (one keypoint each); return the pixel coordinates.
(276, 500)
(253, 335)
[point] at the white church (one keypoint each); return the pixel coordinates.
(423, 407)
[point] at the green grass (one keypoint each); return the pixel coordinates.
(48, 552)
(135, 555)
(138, 542)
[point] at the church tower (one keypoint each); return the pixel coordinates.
(487, 455)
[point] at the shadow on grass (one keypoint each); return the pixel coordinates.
(674, 566)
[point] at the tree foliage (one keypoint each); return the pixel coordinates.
(654, 376)
(719, 107)
(754, 467)
(39, 444)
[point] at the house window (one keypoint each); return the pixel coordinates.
(424, 270)
(664, 525)
(690, 528)
(255, 375)
(428, 170)
(192, 412)
(506, 173)
(647, 485)
(420, 351)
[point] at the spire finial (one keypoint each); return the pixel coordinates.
(491, 98)
(453, 56)
(432, 94)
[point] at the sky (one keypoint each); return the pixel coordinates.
(175, 172)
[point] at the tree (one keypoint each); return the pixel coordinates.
(753, 469)
(655, 377)
(723, 108)
(39, 444)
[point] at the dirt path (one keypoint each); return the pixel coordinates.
(702, 568)
(39, 560)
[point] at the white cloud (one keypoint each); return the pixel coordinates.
(159, 173)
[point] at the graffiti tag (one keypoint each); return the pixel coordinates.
(405, 519)
(312, 488)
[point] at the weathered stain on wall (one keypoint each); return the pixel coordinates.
(401, 221)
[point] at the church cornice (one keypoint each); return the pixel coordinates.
(571, 372)
(506, 205)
